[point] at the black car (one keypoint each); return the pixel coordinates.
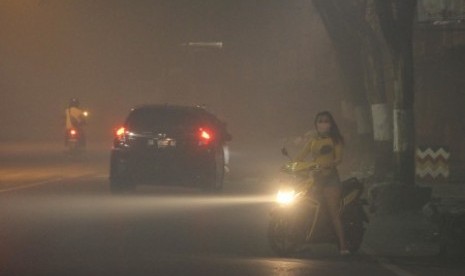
(173, 144)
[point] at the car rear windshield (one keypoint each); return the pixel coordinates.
(151, 119)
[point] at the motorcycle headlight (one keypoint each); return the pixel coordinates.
(285, 197)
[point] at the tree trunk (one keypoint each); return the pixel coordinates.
(380, 114)
(403, 117)
(360, 51)
(396, 21)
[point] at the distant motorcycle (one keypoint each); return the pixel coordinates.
(299, 216)
(75, 139)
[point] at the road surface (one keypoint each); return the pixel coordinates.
(58, 217)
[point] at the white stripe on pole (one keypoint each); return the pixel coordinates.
(382, 130)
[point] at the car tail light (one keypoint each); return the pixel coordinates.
(120, 132)
(121, 135)
(205, 136)
(72, 132)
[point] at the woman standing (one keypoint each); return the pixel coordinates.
(326, 151)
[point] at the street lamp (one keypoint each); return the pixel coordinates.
(204, 44)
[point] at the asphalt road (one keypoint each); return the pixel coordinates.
(58, 217)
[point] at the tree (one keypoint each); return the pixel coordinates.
(383, 30)
(354, 30)
(396, 21)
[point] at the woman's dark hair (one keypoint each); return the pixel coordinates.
(334, 130)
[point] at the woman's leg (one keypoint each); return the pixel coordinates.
(333, 202)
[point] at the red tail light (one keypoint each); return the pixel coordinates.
(73, 132)
(205, 135)
(120, 131)
(120, 137)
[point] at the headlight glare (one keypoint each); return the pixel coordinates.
(285, 197)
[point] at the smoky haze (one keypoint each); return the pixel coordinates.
(276, 69)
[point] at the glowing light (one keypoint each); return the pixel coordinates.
(120, 131)
(72, 132)
(285, 197)
(205, 135)
(92, 206)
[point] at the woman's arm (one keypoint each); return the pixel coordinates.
(305, 151)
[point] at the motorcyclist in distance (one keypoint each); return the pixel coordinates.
(75, 119)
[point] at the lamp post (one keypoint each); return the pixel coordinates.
(200, 55)
(204, 44)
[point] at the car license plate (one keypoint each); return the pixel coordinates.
(166, 143)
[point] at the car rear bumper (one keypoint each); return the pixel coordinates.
(154, 164)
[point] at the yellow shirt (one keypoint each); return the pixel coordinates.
(324, 152)
(77, 114)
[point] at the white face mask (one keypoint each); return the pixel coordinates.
(323, 125)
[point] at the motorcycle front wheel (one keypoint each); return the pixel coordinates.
(281, 237)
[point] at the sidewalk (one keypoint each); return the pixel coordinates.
(446, 190)
(410, 233)
(405, 234)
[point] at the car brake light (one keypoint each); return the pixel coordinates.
(205, 136)
(121, 137)
(72, 132)
(120, 131)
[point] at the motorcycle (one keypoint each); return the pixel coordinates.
(75, 139)
(299, 217)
